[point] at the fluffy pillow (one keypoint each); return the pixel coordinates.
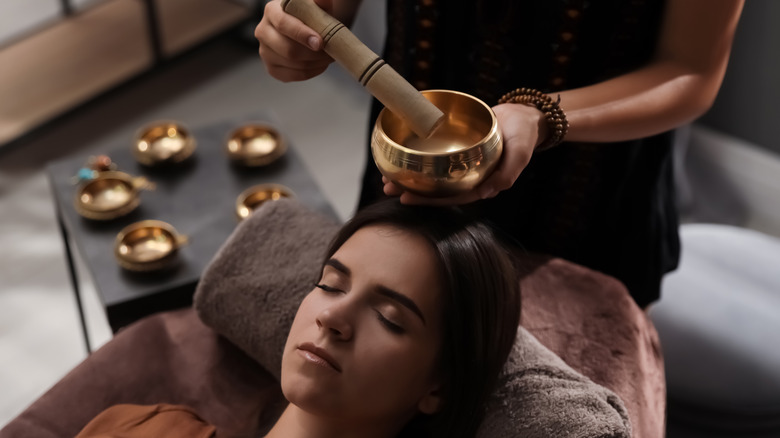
(251, 291)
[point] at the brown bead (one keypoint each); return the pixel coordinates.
(554, 116)
(101, 163)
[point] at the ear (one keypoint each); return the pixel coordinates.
(430, 403)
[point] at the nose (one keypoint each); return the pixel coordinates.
(335, 320)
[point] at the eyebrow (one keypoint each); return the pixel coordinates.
(401, 299)
(338, 266)
(382, 290)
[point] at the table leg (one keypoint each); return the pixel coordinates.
(153, 22)
(67, 8)
(74, 280)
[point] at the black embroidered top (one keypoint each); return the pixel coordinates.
(610, 207)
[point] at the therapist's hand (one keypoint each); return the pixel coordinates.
(523, 128)
(291, 51)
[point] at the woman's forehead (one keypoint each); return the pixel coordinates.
(382, 241)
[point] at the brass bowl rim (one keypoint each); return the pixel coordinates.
(148, 159)
(257, 160)
(149, 265)
(108, 174)
(241, 198)
(88, 211)
(477, 145)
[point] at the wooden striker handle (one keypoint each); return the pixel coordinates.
(368, 68)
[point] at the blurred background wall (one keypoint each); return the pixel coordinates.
(748, 105)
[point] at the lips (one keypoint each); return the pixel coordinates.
(318, 356)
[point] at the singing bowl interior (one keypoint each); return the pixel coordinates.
(458, 156)
(163, 142)
(252, 198)
(144, 245)
(468, 122)
(110, 191)
(255, 145)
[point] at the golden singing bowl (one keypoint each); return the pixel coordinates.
(255, 145)
(110, 195)
(458, 156)
(148, 245)
(163, 142)
(252, 198)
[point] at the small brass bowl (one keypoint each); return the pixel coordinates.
(457, 157)
(255, 145)
(110, 195)
(163, 142)
(252, 198)
(148, 245)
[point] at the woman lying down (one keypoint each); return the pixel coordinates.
(404, 335)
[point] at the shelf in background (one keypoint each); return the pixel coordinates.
(65, 64)
(185, 23)
(81, 56)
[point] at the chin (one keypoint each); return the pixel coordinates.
(310, 394)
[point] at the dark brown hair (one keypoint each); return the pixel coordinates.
(481, 307)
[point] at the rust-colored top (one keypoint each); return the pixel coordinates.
(162, 420)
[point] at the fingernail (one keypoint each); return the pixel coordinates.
(314, 43)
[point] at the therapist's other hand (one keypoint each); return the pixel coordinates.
(522, 128)
(291, 51)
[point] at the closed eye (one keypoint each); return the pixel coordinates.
(393, 327)
(326, 288)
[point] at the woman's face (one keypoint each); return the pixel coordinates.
(364, 342)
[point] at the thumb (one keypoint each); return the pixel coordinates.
(290, 25)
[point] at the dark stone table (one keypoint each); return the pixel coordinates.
(197, 197)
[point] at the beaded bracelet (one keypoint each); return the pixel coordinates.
(553, 114)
